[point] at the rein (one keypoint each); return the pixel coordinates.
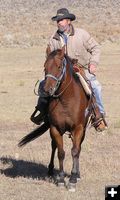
(58, 95)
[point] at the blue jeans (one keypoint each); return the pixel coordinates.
(96, 86)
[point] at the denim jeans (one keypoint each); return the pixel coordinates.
(96, 86)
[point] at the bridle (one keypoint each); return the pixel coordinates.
(58, 80)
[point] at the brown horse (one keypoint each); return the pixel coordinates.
(66, 112)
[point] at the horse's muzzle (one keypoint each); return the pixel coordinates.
(52, 91)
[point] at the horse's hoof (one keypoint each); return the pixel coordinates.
(61, 183)
(51, 179)
(71, 187)
(50, 173)
(78, 177)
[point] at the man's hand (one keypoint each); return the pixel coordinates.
(92, 69)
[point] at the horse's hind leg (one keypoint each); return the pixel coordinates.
(61, 154)
(51, 164)
(78, 136)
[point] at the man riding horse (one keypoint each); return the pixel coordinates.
(79, 45)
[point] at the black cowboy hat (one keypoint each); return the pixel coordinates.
(63, 13)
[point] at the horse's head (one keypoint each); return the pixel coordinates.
(55, 67)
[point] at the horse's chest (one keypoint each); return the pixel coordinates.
(61, 118)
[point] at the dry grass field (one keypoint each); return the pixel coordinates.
(23, 172)
(25, 27)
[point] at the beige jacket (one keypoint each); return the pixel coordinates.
(80, 45)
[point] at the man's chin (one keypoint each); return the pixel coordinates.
(61, 30)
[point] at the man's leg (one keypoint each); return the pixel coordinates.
(96, 87)
(40, 113)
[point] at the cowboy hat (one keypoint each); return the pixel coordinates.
(63, 13)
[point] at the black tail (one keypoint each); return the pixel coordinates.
(34, 134)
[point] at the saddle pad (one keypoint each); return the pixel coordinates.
(84, 84)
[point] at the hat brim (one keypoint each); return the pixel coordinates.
(58, 18)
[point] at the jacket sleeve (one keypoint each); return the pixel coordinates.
(93, 48)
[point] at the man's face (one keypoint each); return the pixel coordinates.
(63, 25)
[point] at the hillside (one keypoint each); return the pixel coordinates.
(28, 23)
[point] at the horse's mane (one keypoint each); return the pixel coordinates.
(69, 60)
(53, 53)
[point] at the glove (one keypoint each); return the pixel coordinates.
(92, 69)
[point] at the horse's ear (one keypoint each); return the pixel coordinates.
(74, 61)
(48, 50)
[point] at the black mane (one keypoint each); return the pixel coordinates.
(69, 60)
(53, 53)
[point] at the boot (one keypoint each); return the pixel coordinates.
(38, 118)
(97, 119)
(104, 121)
(41, 111)
(99, 124)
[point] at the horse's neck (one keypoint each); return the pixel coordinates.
(68, 83)
(69, 67)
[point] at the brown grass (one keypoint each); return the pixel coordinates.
(24, 171)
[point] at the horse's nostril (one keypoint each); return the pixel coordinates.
(45, 88)
(51, 90)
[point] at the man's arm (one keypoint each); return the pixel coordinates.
(94, 49)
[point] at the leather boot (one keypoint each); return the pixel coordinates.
(97, 119)
(38, 117)
(41, 110)
(99, 124)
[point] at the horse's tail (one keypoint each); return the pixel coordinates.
(34, 134)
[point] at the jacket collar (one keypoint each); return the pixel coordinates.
(57, 35)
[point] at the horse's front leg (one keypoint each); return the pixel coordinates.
(61, 153)
(78, 136)
(51, 164)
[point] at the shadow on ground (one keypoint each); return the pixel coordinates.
(13, 168)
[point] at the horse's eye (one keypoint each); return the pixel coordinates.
(59, 67)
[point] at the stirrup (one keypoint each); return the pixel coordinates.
(37, 119)
(103, 117)
(99, 124)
